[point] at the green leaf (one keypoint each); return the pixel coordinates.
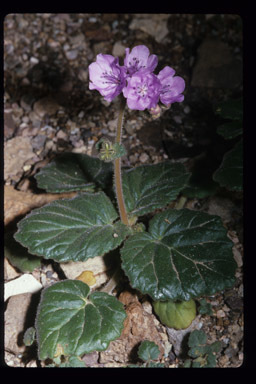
(29, 336)
(72, 229)
(205, 308)
(74, 172)
(231, 109)
(230, 172)
(230, 130)
(151, 364)
(215, 347)
(148, 350)
(198, 364)
(177, 315)
(196, 338)
(70, 321)
(185, 254)
(199, 350)
(73, 362)
(211, 361)
(187, 363)
(200, 183)
(200, 189)
(18, 256)
(148, 187)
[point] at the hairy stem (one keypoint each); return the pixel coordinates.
(117, 168)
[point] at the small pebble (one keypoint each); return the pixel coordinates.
(71, 55)
(61, 135)
(27, 167)
(81, 114)
(33, 60)
(143, 158)
(224, 360)
(177, 119)
(112, 125)
(92, 19)
(49, 274)
(23, 125)
(187, 109)
(25, 119)
(115, 24)
(241, 356)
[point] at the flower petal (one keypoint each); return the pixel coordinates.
(152, 62)
(165, 73)
(140, 52)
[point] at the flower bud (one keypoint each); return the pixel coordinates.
(155, 112)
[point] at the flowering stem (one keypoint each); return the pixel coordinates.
(117, 167)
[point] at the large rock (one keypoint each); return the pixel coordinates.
(19, 203)
(46, 106)
(216, 66)
(153, 25)
(16, 152)
(17, 321)
(96, 265)
(138, 326)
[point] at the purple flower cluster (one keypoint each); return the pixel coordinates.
(140, 86)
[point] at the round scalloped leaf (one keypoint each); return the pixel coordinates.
(69, 322)
(148, 350)
(230, 172)
(72, 229)
(185, 254)
(197, 337)
(74, 172)
(148, 187)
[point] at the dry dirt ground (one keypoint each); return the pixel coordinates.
(49, 109)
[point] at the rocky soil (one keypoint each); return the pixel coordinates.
(49, 109)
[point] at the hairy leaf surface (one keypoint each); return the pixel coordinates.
(185, 254)
(70, 321)
(74, 172)
(72, 229)
(148, 187)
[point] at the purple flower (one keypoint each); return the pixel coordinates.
(171, 87)
(136, 80)
(142, 90)
(139, 59)
(107, 76)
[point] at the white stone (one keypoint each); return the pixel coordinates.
(96, 265)
(144, 158)
(23, 284)
(155, 26)
(118, 49)
(34, 60)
